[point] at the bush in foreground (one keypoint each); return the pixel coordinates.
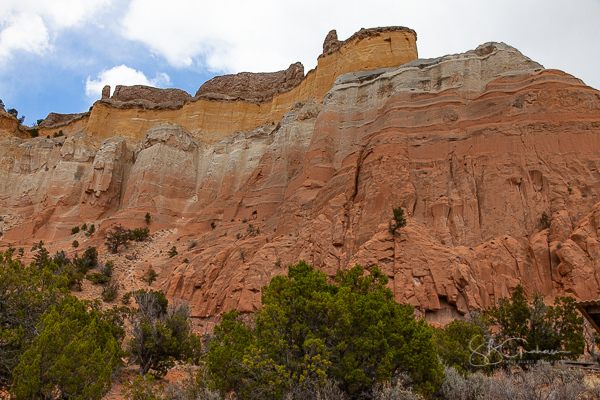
(74, 356)
(309, 331)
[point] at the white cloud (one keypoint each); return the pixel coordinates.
(30, 25)
(122, 75)
(24, 32)
(242, 35)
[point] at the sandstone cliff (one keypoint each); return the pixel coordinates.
(474, 147)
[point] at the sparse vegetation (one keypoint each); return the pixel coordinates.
(110, 292)
(213, 225)
(102, 277)
(152, 275)
(91, 230)
(116, 238)
(140, 234)
(74, 230)
(185, 261)
(148, 218)
(398, 221)
(172, 252)
(119, 236)
(126, 298)
(252, 230)
(84, 227)
(543, 381)
(545, 220)
(161, 334)
(75, 243)
(98, 278)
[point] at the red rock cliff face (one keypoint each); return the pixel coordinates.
(474, 147)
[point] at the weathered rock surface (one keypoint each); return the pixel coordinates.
(152, 94)
(249, 86)
(54, 120)
(474, 147)
(106, 92)
(219, 112)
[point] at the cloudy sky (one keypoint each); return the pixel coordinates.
(56, 55)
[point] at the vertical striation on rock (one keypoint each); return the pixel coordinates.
(474, 147)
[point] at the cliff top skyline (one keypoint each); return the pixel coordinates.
(57, 55)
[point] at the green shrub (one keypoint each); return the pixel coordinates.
(152, 275)
(185, 260)
(97, 278)
(90, 258)
(456, 341)
(213, 225)
(398, 221)
(535, 328)
(172, 252)
(91, 230)
(74, 230)
(84, 227)
(34, 133)
(161, 334)
(74, 355)
(140, 234)
(309, 330)
(126, 298)
(75, 243)
(545, 220)
(148, 218)
(107, 268)
(110, 293)
(117, 237)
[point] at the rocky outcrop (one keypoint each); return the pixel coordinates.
(253, 87)
(148, 93)
(332, 44)
(9, 125)
(473, 146)
(54, 120)
(240, 102)
(464, 144)
(106, 92)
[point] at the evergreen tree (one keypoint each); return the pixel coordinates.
(161, 334)
(536, 331)
(73, 356)
(309, 330)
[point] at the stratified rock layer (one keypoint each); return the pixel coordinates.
(218, 110)
(474, 147)
(252, 87)
(154, 95)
